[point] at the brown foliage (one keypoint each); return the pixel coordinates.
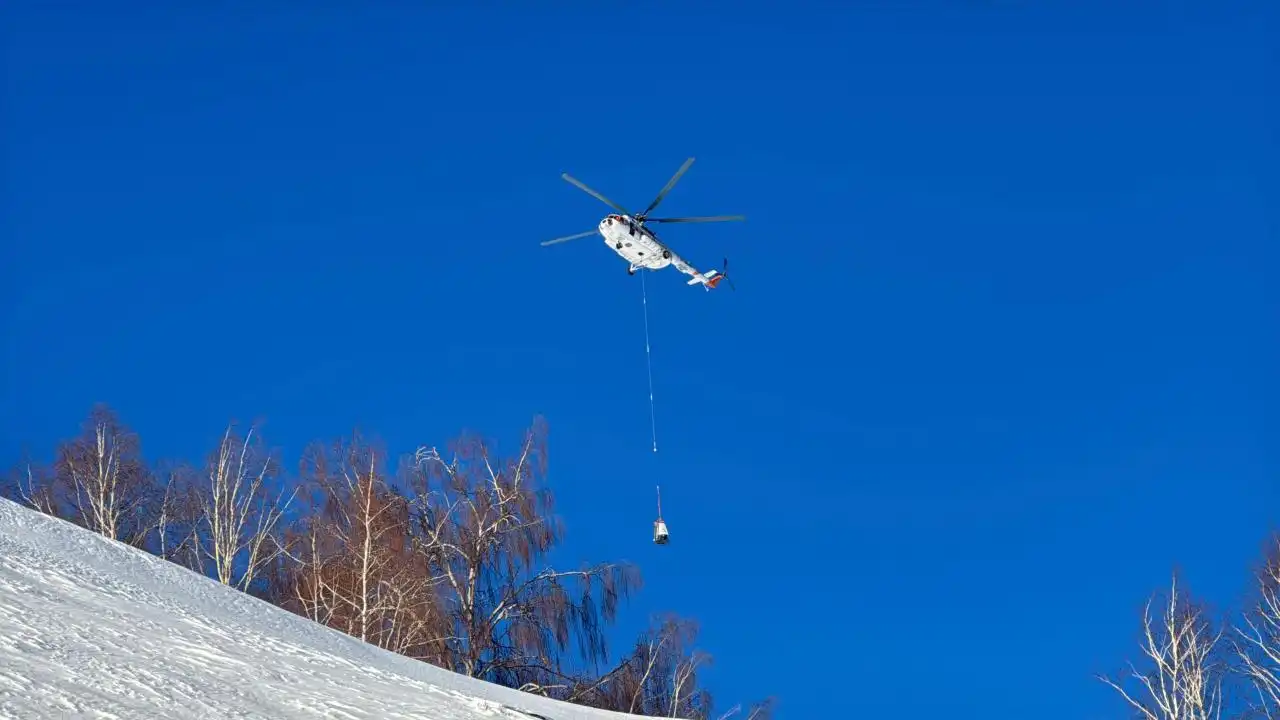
(443, 562)
(355, 568)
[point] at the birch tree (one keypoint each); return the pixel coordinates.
(1257, 643)
(240, 519)
(668, 684)
(175, 519)
(99, 481)
(1186, 678)
(484, 525)
(103, 481)
(355, 569)
(175, 516)
(31, 486)
(659, 678)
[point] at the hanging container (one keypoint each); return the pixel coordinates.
(659, 532)
(659, 527)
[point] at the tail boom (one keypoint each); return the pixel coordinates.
(709, 279)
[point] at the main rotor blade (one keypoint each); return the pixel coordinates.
(594, 194)
(670, 184)
(567, 238)
(711, 218)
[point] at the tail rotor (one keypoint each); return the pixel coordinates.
(724, 273)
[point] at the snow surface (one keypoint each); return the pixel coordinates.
(92, 628)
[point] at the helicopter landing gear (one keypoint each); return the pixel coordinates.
(631, 270)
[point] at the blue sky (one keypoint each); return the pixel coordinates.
(1000, 309)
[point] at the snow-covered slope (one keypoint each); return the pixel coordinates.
(91, 628)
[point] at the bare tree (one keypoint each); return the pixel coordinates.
(659, 678)
(104, 481)
(649, 652)
(240, 520)
(164, 520)
(31, 486)
(1258, 646)
(484, 524)
(173, 514)
(99, 481)
(1185, 682)
(669, 684)
(356, 570)
(444, 562)
(685, 698)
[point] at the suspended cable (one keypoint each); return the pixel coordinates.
(648, 359)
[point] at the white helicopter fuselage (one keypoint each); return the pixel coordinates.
(644, 251)
(635, 244)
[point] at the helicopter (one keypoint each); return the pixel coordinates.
(625, 233)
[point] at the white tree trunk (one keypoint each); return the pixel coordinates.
(96, 478)
(236, 481)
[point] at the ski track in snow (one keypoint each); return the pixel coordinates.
(91, 628)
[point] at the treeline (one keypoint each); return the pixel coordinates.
(439, 556)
